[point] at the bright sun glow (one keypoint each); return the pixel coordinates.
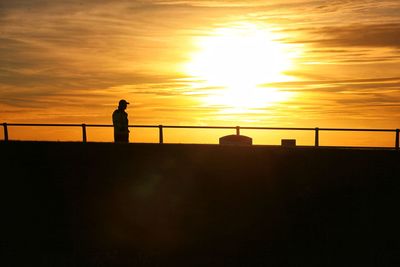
(240, 59)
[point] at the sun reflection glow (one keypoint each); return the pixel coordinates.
(237, 61)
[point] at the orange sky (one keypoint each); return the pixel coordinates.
(249, 63)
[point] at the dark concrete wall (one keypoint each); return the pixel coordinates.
(73, 204)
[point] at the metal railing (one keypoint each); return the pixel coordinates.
(237, 128)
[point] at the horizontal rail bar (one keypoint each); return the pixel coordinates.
(195, 127)
(74, 125)
(277, 128)
(357, 130)
(203, 127)
(235, 127)
(46, 124)
(274, 128)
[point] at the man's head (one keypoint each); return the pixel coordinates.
(122, 104)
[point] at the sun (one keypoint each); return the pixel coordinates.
(238, 60)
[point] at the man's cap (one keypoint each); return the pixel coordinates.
(123, 102)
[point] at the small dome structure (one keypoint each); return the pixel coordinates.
(235, 139)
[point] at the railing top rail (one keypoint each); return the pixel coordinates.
(205, 127)
(198, 127)
(45, 124)
(357, 129)
(277, 128)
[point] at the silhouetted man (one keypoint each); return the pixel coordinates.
(120, 122)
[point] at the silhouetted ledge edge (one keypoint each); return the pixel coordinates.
(253, 146)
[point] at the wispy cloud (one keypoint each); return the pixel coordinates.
(364, 35)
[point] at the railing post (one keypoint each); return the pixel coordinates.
(316, 137)
(397, 139)
(160, 128)
(84, 139)
(237, 130)
(5, 132)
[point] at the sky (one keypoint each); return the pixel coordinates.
(290, 63)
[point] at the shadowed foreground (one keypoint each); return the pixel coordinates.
(73, 204)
